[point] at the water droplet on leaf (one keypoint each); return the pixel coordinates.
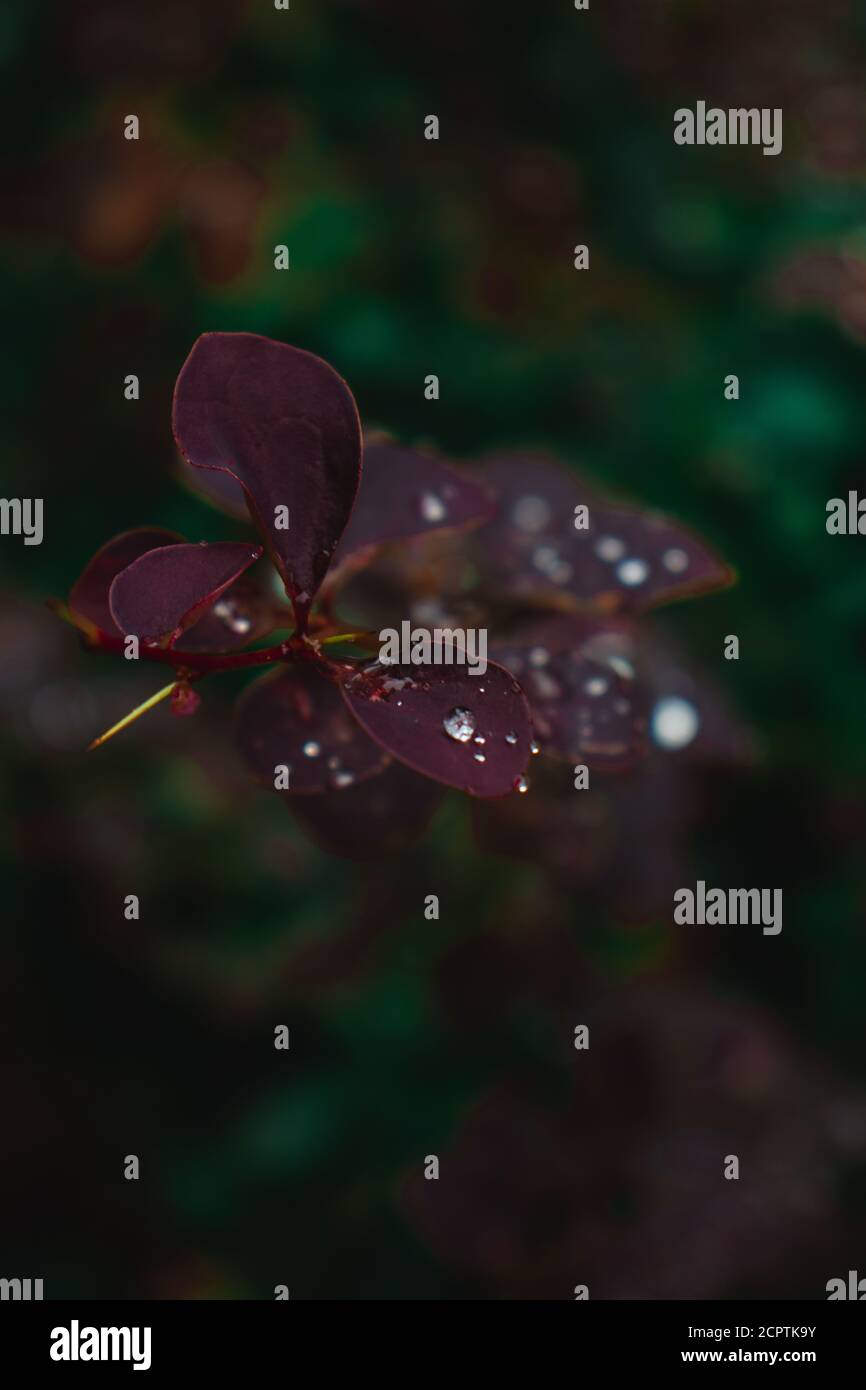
(459, 725)
(229, 613)
(432, 507)
(675, 722)
(675, 560)
(610, 548)
(632, 572)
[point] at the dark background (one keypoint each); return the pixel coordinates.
(453, 1037)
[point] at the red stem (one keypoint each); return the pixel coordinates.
(201, 663)
(196, 664)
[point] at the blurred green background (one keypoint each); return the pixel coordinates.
(410, 1037)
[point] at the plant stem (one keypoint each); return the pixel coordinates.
(196, 664)
(203, 663)
(347, 637)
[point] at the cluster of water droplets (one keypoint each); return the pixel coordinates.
(549, 562)
(235, 619)
(460, 724)
(632, 570)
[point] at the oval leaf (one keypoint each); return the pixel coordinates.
(470, 732)
(88, 598)
(164, 591)
(295, 719)
(239, 616)
(555, 541)
(285, 426)
(640, 559)
(406, 493)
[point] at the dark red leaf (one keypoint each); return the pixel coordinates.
(640, 559)
(537, 496)
(581, 679)
(88, 598)
(241, 615)
(372, 819)
(89, 594)
(295, 718)
(406, 493)
(285, 425)
(163, 592)
(537, 493)
(220, 489)
(470, 732)
(624, 557)
(429, 579)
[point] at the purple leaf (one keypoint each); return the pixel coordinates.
(470, 732)
(406, 493)
(640, 559)
(295, 718)
(241, 615)
(372, 819)
(428, 578)
(580, 677)
(220, 489)
(163, 592)
(537, 493)
(285, 426)
(539, 550)
(88, 598)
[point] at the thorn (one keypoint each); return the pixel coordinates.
(346, 637)
(132, 716)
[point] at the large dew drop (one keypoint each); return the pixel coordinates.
(459, 725)
(433, 509)
(231, 615)
(632, 572)
(675, 722)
